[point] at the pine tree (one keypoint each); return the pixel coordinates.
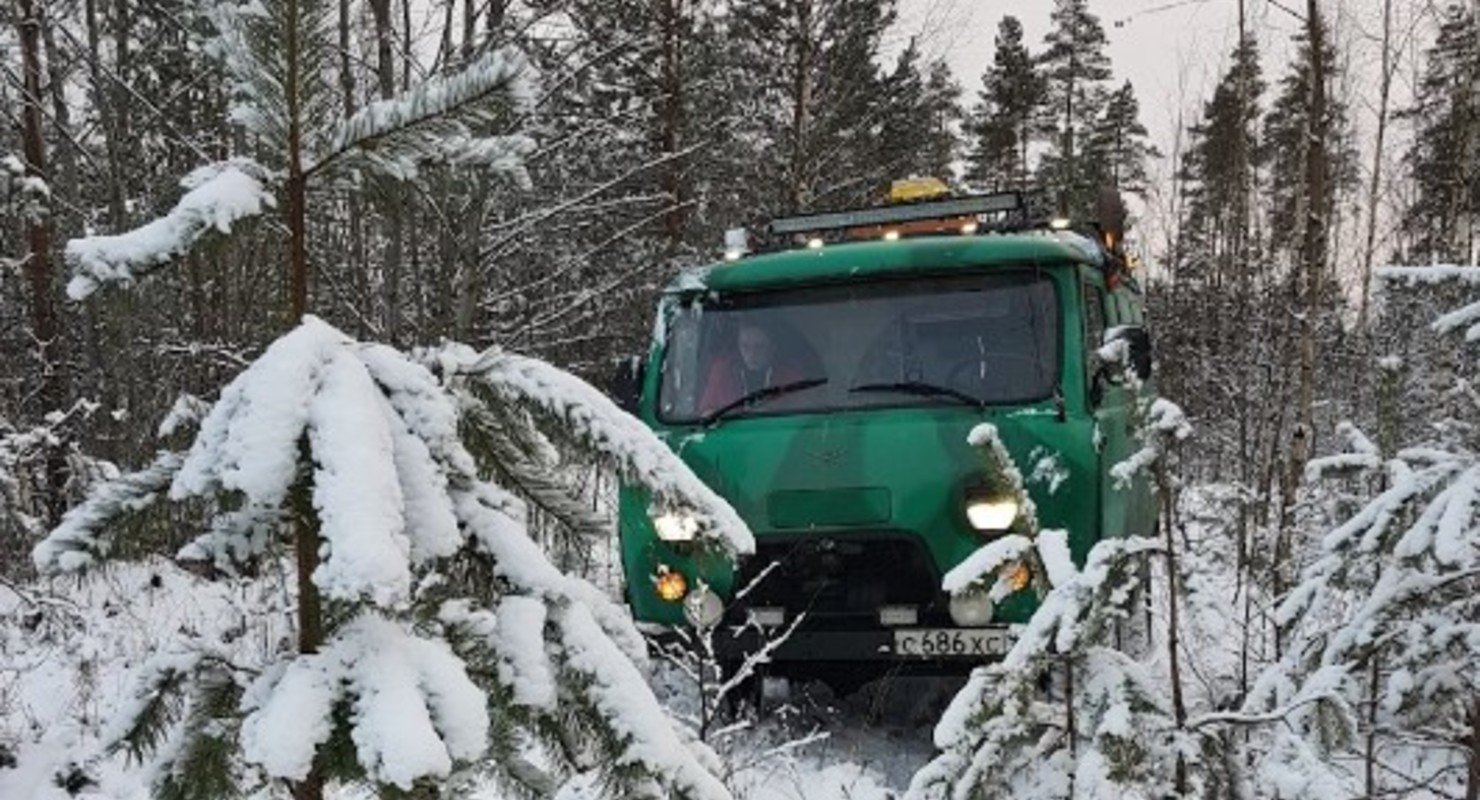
(1105, 733)
(917, 113)
(1285, 139)
(899, 113)
(1218, 167)
(1118, 146)
(1007, 117)
(450, 642)
(1443, 158)
(277, 60)
(319, 423)
(1106, 729)
(1075, 70)
(811, 102)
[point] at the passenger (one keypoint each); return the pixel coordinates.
(752, 367)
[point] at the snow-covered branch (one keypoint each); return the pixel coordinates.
(577, 410)
(434, 123)
(216, 198)
(78, 541)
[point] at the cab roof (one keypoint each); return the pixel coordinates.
(876, 258)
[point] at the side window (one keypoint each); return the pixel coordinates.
(1119, 310)
(1094, 319)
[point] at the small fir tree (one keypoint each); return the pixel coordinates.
(451, 645)
(1105, 727)
(1392, 595)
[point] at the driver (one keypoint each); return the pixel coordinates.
(752, 367)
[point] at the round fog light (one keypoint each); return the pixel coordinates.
(704, 608)
(971, 609)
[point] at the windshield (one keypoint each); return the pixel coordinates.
(980, 339)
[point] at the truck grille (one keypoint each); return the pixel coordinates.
(840, 576)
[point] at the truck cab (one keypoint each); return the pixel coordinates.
(828, 390)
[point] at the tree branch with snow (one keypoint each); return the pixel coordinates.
(217, 197)
(450, 631)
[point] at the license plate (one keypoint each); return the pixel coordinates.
(952, 642)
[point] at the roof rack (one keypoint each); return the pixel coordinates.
(1011, 207)
(998, 212)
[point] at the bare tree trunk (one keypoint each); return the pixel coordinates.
(671, 117)
(1313, 261)
(1174, 621)
(470, 31)
(801, 106)
(1375, 184)
(385, 73)
(305, 534)
(1472, 785)
(346, 72)
(40, 277)
(1369, 755)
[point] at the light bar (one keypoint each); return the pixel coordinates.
(1005, 202)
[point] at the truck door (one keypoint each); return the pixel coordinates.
(1113, 405)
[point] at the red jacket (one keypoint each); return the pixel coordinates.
(725, 383)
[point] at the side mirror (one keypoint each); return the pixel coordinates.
(626, 383)
(1138, 347)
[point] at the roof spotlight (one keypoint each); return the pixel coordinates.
(1059, 223)
(969, 228)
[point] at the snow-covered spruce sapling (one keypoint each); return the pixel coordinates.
(275, 54)
(451, 645)
(1108, 728)
(1393, 594)
(1161, 427)
(27, 456)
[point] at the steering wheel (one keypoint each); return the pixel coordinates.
(955, 373)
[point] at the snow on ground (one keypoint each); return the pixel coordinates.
(68, 649)
(67, 652)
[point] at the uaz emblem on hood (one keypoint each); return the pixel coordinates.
(828, 457)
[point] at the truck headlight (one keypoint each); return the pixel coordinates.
(991, 514)
(673, 527)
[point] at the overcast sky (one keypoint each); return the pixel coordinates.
(1160, 45)
(1174, 50)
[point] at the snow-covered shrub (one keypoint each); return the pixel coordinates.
(446, 643)
(719, 687)
(29, 458)
(1063, 713)
(1386, 613)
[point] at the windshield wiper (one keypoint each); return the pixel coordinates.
(759, 395)
(920, 388)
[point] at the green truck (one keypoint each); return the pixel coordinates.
(827, 390)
